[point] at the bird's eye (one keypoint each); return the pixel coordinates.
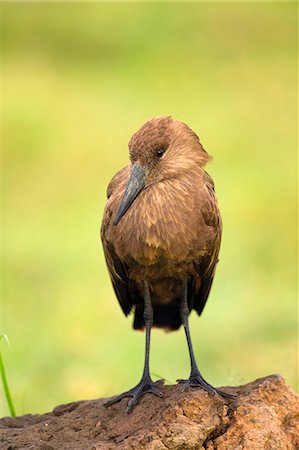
(160, 153)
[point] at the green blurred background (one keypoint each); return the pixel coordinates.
(78, 80)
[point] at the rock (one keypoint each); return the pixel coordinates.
(264, 415)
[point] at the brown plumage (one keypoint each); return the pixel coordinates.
(161, 233)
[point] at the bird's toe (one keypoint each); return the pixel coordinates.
(156, 391)
(141, 390)
(117, 398)
(227, 395)
(197, 381)
(145, 386)
(131, 403)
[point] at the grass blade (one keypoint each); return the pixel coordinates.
(4, 381)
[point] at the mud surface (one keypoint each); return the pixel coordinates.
(265, 415)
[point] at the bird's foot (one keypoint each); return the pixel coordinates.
(197, 381)
(145, 386)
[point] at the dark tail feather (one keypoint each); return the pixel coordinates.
(165, 316)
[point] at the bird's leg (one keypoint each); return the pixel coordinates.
(146, 384)
(195, 379)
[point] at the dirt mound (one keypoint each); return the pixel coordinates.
(265, 415)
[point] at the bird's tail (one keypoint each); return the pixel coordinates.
(165, 316)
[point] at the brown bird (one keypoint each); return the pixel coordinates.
(161, 234)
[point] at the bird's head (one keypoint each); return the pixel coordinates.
(161, 149)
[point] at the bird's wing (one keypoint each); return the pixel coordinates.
(207, 265)
(116, 269)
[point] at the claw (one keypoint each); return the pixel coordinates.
(197, 381)
(156, 392)
(117, 399)
(146, 386)
(226, 394)
(131, 405)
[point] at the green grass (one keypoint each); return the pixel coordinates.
(78, 80)
(4, 381)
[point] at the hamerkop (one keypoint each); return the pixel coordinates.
(161, 235)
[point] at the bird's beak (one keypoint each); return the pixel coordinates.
(134, 186)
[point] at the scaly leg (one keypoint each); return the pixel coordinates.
(195, 379)
(146, 384)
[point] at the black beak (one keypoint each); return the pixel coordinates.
(134, 186)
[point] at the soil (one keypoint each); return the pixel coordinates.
(264, 415)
